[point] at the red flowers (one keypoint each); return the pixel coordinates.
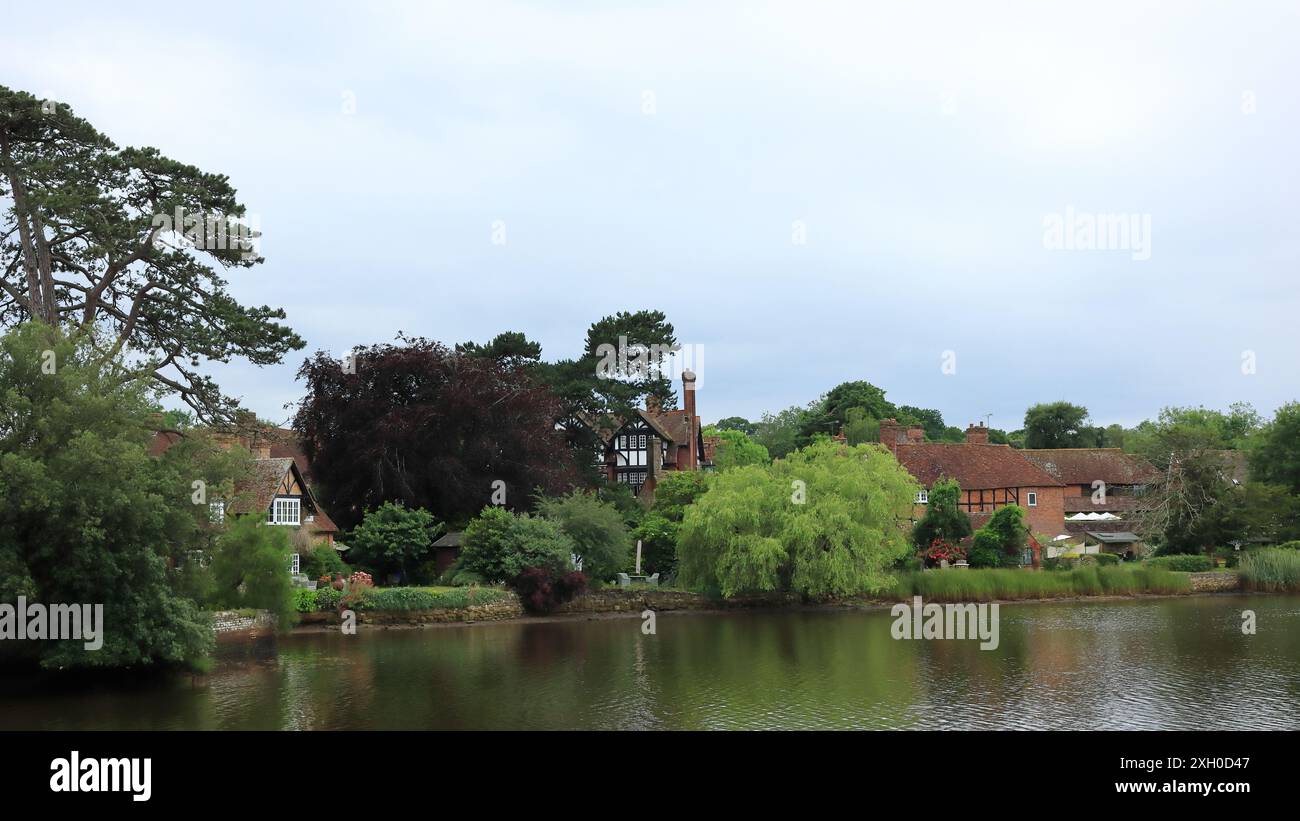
(940, 551)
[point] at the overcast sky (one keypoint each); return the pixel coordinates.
(812, 193)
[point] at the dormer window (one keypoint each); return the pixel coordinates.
(285, 511)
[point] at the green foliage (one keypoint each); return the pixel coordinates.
(1275, 451)
(304, 600)
(1182, 563)
(986, 549)
(658, 529)
(825, 521)
(990, 585)
(600, 536)
(1056, 425)
(1105, 558)
(736, 449)
(1007, 524)
(739, 423)
(416, 598)
(394, 537)
(943, 519)
(86, 516)
(499, 545)
(1271, 569)
(250, 568)
(779, 432)
(112, 269)
(323, 560)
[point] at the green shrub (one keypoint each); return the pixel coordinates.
(1293, 545)
(327, 599)
(1271, 569)
(416, 598)
(986, 549)
(1182, 562)
(498, 545)
(1106, 559)
(323, 560)
(304, 600)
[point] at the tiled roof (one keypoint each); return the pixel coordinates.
(973, 467)
(162, 440)
(1083, 466)
(266, 475)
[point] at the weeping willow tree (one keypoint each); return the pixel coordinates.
(828, 520)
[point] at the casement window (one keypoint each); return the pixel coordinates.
(285, 511)
(1032, 499)
(216, 512)
(923, 497)
(295, 563)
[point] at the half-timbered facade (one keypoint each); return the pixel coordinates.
(655, 441)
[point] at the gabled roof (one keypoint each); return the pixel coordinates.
(1083, 466)
(267, 476)
(452, 539)
(973, 467)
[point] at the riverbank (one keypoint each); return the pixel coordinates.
(938, 586)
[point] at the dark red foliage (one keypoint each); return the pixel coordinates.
(423, 425)
(541, 590)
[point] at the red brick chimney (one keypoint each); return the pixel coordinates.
(892, 434)
(692, 421)
(977, 434)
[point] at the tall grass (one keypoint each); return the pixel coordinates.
(989, 585)
(1270, 569)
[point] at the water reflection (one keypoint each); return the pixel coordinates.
(1164, 663)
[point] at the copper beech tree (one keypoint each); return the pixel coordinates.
(421, 424)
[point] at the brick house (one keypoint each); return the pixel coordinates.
(1099, 482)
(990, 476)
(655, 441)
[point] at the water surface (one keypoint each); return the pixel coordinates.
(1173, 663)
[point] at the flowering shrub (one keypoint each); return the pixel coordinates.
(360, 580)
(940, 551)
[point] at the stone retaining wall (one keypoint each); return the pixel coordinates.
(228, 622)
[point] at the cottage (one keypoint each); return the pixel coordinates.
(990, 476)
(1103, 491)
(277, 488)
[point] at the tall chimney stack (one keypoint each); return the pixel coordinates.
(688, 399)
(977, 434)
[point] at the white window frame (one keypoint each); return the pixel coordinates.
(279, 514)
(923, 497)
(1031, 499)
(217, 512)
(295, 563)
